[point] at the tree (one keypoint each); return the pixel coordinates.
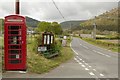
(49, 27)
(56, 28)
(44, 26)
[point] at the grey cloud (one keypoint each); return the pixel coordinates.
(70, 10)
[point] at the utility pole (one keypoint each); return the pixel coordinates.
(17, 9)
(94, 31)
(1, 27)
(70, 28)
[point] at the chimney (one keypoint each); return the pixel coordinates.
(17, 6)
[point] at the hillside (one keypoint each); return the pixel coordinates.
(71, 24)
(31, 22)
(107, 21)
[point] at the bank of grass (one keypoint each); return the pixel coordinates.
(38, 64)
(108, 45)
(1, 51)
(1, 42)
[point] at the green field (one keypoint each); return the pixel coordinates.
(1, 46)
(1, 42)
(104, 44)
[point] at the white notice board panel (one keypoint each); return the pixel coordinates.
(43, 48)
(48, 39)
(51, 39)
(44, 39)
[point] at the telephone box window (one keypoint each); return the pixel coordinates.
(13, 27)
(14, 61)
(15, 40)
(14, 47)
(15, 56)
(14, 51)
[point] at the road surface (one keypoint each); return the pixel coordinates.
(89, 62)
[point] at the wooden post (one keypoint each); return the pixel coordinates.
(17, 7)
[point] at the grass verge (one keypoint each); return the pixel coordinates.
(108, 45)
(38, 64)
(1, 51)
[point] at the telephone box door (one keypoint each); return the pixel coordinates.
(15, 47)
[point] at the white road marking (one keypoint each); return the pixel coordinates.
(101, 75)
(94, 50)
(83, 65)
(86, 69)
(94, 69)
(91, 73)
(80, 63)
(75, 58)
(83, 61)
(73, 50)
(79, 58)
(90, 66)
(77, 61)
(85, 47)
(101, 53)
(107, 55)
(86, 63)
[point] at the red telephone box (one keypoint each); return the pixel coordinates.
(15, 42)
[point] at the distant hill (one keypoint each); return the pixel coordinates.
(31, 22)
(71, 24)
(107, 21)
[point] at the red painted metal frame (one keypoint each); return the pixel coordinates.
(8, 65)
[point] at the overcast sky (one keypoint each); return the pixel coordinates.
(45, 10)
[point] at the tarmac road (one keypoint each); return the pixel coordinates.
(89, 62)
